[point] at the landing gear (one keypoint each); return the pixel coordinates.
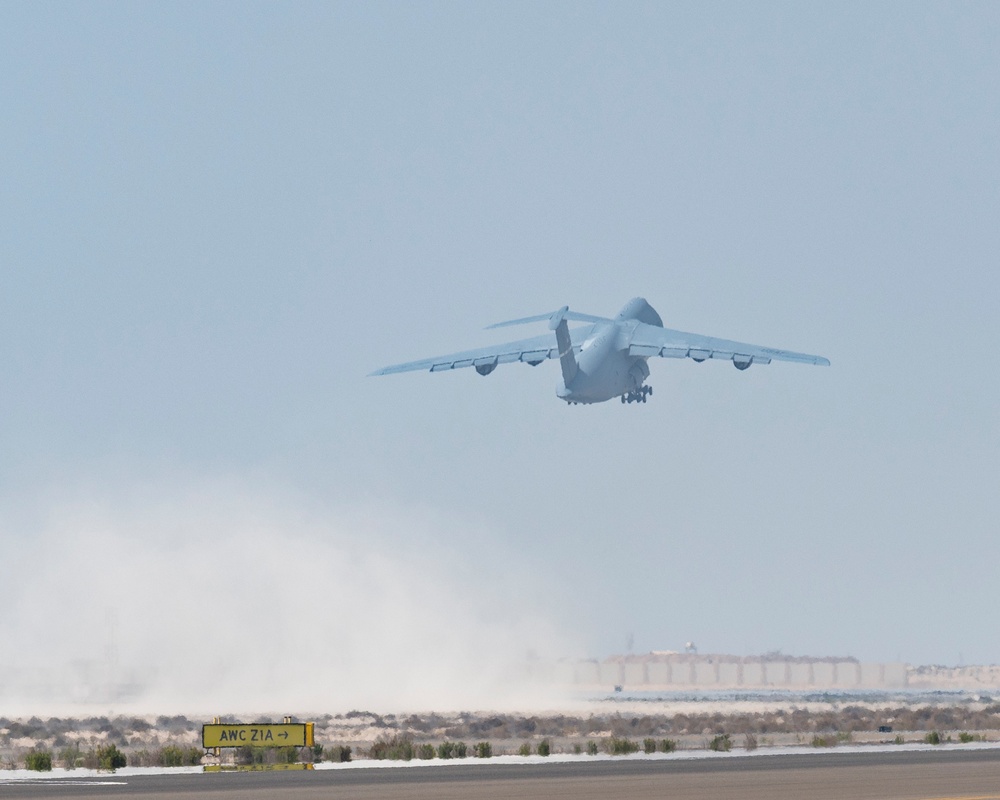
(637, 396)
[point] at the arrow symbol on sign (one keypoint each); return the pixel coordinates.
(283, 734)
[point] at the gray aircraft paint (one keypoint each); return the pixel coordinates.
(606, 358)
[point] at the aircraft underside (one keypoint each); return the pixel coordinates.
(606, 374)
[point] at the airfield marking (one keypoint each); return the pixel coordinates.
(58, 782)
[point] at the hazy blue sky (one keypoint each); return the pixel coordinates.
(218, 218)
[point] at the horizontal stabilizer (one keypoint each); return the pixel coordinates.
(562, 313)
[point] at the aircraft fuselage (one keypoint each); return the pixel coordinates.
(605, 369)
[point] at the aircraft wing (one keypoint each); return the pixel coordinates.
(485, 359)
(650, 340)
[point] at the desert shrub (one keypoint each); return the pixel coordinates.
(620, 746)
(117, 737)
(544, 748)
(398, 748)
(898, 739)
(446, 750)
(750, 742)
(337, 753)
(668, 745)
(69, 756)
(824, 741)
(172, 756)
(110, 758)
(283, 755)
(524, 750)
(591, 748)
(426, 752)
(483, 750)
(649, 745)
(245, 754)
(175, 725)
(721, 743)
(932, 738)
(38, 761)
(461, 750)
(965, 737)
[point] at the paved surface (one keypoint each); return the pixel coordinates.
(951, 775)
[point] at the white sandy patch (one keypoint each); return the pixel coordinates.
(120, 777)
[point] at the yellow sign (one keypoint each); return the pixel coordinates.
(297, 734)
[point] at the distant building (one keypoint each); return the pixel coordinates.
(664, 670)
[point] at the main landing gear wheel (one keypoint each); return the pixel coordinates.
(638, 396)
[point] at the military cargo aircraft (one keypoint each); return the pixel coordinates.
(606, 358)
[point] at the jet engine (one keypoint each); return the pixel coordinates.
(485, 366)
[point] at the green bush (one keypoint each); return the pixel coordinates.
(899, 739)
(824, 741)
(461, 750)
(338, 754)
(750, 741)
(722, 743)
(965, 738)
(70, 756)
(668, 745)
(591, 748)
(932, 738)
(246, 754)
(38, 761)
(484, 750)
(425, 752)
(524, 750)
(110, 758)
(544, 748)
(649, 745)
(446, 749)
(398, 748)
(620, 746)
(284, 755)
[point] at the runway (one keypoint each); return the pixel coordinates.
(913, 775)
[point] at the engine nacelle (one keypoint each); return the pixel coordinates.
(742, 362)
(487, 368)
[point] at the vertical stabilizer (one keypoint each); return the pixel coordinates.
(567, 358)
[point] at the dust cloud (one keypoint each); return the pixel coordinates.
(230, 599)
